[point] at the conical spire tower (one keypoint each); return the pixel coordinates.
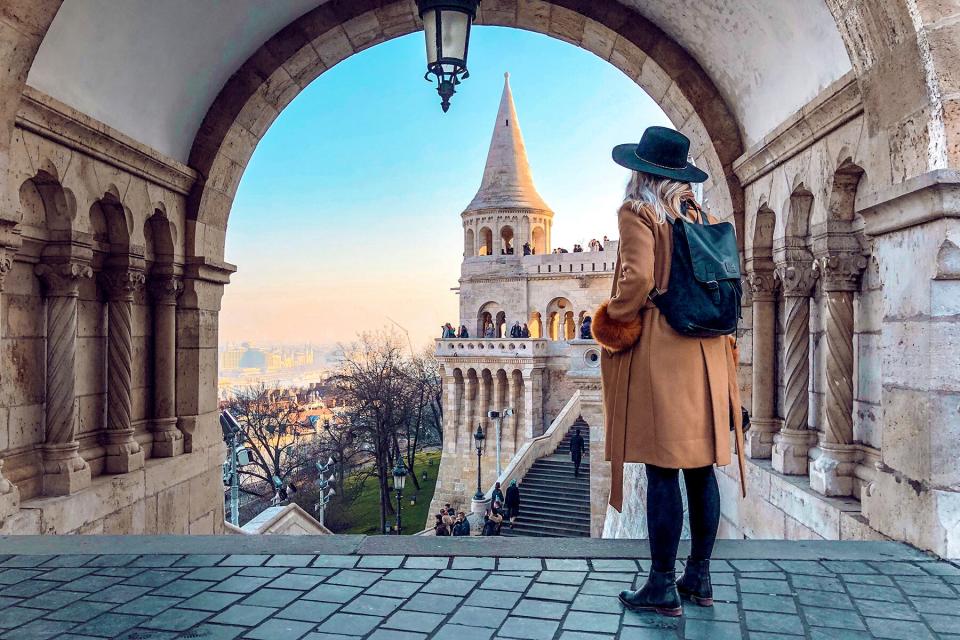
(507, 181)
(507, 211)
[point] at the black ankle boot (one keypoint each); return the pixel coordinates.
(659, 594)
(695, 584)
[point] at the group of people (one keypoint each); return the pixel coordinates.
(517, 331)
(489, 331)
(503, 507)
(447, 331)
(594, 245)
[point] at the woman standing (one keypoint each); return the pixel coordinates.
(670, 400)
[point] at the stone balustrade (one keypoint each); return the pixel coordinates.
(479, 347)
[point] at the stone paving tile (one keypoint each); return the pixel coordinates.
(494, 599)
(9, 602)
(182, 588)
(394, 634)
(432, 602)
(119, 572)
(600, 604)
(712, 630)
(540, 609)
(720, 611)
(944, 623)
(870, 578)
(296, 581)
(625, 577)
(290, 561)
(892, 610)
(243, 614)
(118, 594)
(15, 616)
(380, 562)
(644, 633)
(214, 632)
(488, 564)
(819, 583)
(263, 572)
(393, 589)
(419, 621)
(780, 587)
(29, 588)
(109, 624)
(53, 599)
(562, 577)
(148, 605)
(764, 602)
(278, 628)
(506, 583)
(832, 618)
(826, 599)
(349, 624)
(464, 633)
(240, 584)
(176, 619)
(566, 564)
(552, 592)
(308, 611)
(12, 576)
(244, 560)
(848, 567)
(934, 589)
(271, 597)
(623, 566)
(773, 622)
(155, 560)
(479, 616)
(332, 593)
(920, 603)
(80, 611)
(372, 605)
(338, 562)
(590, 621)
(448, 586)
(519, 564)
(40, 629)
(427, 562)
(199, 560)
(352, 578)
(528, 629)
(899, 629)
(66, 574)
(152, 578)
(214, 574)
(411, 575)
(754, 565)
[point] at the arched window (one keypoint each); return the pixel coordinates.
(486, 242)
(560, 323)
(489, 318)
(469, 249)
(501, 324)
(535, 325)
(506, 241)
(569, 326)
(539, 240)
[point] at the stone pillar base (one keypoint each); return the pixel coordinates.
(167, 439)
(791, 451)
(758, 441)
(831, 474)
(123, 452)
(478, 508)
(9, 497)
(64, 471)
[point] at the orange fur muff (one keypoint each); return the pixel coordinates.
(612, 334)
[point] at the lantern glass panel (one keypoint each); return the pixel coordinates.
(453, 27)
(430, 34)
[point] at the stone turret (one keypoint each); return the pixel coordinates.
(507, 210)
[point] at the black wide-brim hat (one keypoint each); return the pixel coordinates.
(662, 152)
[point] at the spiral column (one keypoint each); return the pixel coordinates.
(764, 422)
(167, 438)
(832, 472)
(791, 445)
(64, 471)
(124, 454)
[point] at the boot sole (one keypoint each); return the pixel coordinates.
(697, 600)
(672, 613)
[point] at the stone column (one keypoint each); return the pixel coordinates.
(763, 417)
(167, 439)
(9, 243)
(533, 402)
(123, 452)
(483, 405)
(792, 444)
(832, 472)
(64, 471)
(449, 382)
(469, 406)
(514, 402)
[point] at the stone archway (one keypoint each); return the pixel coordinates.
(299, 53)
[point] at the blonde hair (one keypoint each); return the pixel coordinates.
(663, 195)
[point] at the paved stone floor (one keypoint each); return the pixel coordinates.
(275, 588)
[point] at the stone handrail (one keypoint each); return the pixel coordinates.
(479, 347)
(540, 446)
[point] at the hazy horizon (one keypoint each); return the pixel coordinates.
(348, 214)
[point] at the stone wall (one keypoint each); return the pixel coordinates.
(107, 338)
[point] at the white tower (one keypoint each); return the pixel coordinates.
(507, 211)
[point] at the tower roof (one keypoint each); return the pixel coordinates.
(507, 181)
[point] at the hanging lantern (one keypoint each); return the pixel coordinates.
(446, 27)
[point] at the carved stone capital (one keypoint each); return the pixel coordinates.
(6, 263)
(796, 279)
(840, 271)
(122, 283)
(165, 289)
(763, 285)
(62, 279)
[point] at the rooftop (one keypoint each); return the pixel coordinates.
(326, 587)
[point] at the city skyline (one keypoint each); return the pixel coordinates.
(372, 239)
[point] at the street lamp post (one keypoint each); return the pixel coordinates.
(498, 417)
(479, 438)
(232, 434)
(399, 480)
(446, 27)
(326, 488)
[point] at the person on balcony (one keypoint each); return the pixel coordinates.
(447, 331)
(516, 330)
(525, 332)
(527, 249)
(670, 399)
(490, 331)
(463, 333)
(512, 502)
(585, 333)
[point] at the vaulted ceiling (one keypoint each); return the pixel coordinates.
(152, 69)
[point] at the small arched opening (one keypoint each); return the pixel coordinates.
(560, 322)
(506, 241)
(501, 324)
(486, 242)
(538, 240)
(469, 248)
(535, 325)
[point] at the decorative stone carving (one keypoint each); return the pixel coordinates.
(9, 497)
(167, 438)
(123, 453)
(791, 446)
(831, 473)
(64, 471)
(759, 439)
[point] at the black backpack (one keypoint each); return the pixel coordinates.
(704, 290)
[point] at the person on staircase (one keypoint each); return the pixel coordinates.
(512, 502)
(497, 495)
(576, 451)
(669, 381)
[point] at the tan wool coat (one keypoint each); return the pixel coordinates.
(668, 399)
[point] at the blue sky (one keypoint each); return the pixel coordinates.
(349, 209)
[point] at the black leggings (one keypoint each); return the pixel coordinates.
(665, 513)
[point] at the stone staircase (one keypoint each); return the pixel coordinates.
(552, 502)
